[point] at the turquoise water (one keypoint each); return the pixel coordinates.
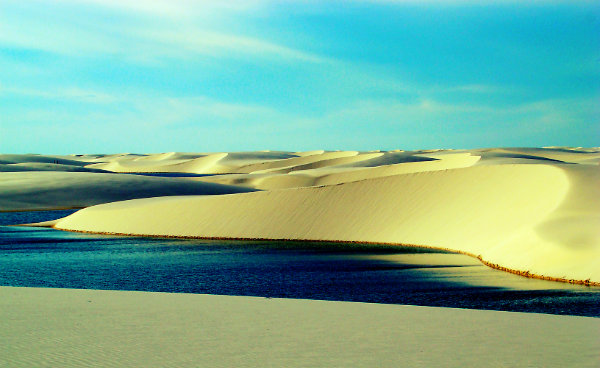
(330, 271)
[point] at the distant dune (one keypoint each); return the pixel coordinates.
(534, 211)
(47, 190)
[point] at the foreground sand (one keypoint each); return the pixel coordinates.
(88, 328)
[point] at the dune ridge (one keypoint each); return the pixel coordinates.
(47, 190)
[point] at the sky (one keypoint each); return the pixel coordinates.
(108, 76)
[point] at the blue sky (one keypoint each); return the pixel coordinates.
(139, 76)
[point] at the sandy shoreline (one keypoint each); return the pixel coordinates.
(527, 274)
(50, 327)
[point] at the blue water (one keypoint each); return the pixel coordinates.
(14, 218)
(330, 271)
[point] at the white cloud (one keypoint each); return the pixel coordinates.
(475, 89)
(171, 8)
(480, 2)
(175, 29)
(208, 42)
(75, 94)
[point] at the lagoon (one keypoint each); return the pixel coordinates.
(42, 257)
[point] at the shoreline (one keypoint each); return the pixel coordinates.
(43, 209)
(478, 257)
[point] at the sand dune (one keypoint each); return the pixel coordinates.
(30, 158)
(346, 169)
(531, 210)
(293, 162)
(40, 166)
(199, 163)
(42, 190)
(510, 215)
(569, 155)
(75, 328)
(161, 163)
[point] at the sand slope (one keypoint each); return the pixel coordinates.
(89, 328)
(41, 190)
(346, 169)
(533, 210)
(508, 214)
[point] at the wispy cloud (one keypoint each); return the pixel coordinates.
(475, 88)
(432, 123)
(177, 28)
(394, 111)
(478, 2)
(208, 42)
(206, 124)
(171, 8)
(73, 94)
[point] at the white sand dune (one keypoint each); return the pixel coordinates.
(89, 328)
(40, 166)
(198, 163)
(293, 162)
(540, 219)
(345, 169)
(529, 210)
(161, 163)
(569, 155)
(30, 158)
(44, 190)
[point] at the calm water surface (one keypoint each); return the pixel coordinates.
(331, 271)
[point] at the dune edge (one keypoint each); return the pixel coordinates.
(588, 282)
